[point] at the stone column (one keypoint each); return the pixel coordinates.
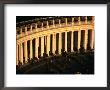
(66, 41)
(25, 50)
(66, 21)
(54, 43)
(16, 54)
(86, 20)
(92, 40)
(42, 45)
(31, 51)
(36, 26)
(72, 21)
(72, 41)
(86, 39)
(42, 26)
(79, 20)
(21, 30)
(47, 25)
(60, 42)
(79, 39)
(36, 46)
(21, 53)
(25, 29)
(53, 23)
(59, 22)
(48, 44)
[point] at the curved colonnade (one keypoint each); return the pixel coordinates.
(32, 41)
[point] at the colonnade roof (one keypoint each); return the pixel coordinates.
(25, 20)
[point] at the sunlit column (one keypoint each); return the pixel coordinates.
(42, 45)
(42, 26)
(36, 46)
(31, 53)
(60, 42)
(71, 41)
(53, 23)
(59, 22)
(21, 30)
(25, 29)
(79, 39)
(72, 21)
(25, 50)
(21, 53)
(79, 20)
(47, 24)
(86, 20)
(54, 43)
(36, 26)
(66, 21)
(48, 44)
(66, 41)
(16, 54)
(86, 39)
(92, 40)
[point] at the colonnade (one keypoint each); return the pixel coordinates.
(24, 51)
(43, 40)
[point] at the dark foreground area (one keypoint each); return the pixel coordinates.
(66, 63)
